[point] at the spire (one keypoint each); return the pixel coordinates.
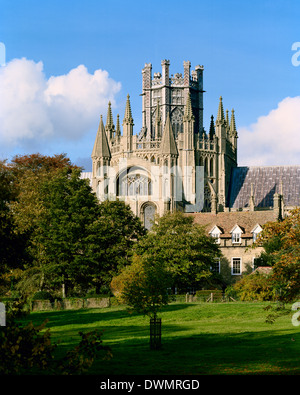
(118, 129)
(227, 120)
(212, 128)
(188, 111)
(109, 119)
(128, 116)
(220, 117)
(232, 124)
(168, 144)
(101, 147)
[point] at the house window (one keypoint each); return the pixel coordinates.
(216, 236)
(215, 267)
(236, 238)
(256, 231)
(236, 266)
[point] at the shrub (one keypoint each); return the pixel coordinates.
(24, 349)
(43, 295)
(253, 287)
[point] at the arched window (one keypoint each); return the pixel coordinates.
(134, 182)
(148, 210)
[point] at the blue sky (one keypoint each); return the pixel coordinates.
(245, 47)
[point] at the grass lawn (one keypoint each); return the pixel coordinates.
(203, 338)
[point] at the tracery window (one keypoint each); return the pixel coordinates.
(177, 121)
(134, 184)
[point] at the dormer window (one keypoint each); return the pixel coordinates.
(255, 232)
(236, 235)
(215, 234)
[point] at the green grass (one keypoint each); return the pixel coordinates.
(218, 338)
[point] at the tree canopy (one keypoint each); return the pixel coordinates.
(65, 235)
(175, 253)
(281, 241)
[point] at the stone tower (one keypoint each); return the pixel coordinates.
(172, 163)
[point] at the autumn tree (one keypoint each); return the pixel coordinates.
(281, 241)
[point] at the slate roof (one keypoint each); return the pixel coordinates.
(266, 181)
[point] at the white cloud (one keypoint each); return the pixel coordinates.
(34, 110)
(274, 139)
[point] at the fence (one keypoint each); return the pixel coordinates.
(203, 297)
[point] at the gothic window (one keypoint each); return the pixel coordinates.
(165, 170)
(133, 184)
(207, 199)
(177, 96)
(206, 166)
(176, 121)
(156, 93)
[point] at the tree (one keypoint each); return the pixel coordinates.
(65, 228)
(143, 285)
(117, 230)
(175, 252)
(183, 245)
(281, 241)
(12, 245)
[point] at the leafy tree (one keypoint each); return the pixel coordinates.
(117, 230)
(281, 241)
(12, 245)
(143, 285)
(65, 228)
(175, 252)
(28, 173)
(184, 247)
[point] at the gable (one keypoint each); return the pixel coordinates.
(215, 230)
(257, 229)
(237, 229)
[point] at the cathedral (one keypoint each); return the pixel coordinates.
(173, 163)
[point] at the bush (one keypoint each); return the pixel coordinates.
(252, 287)
(43, 295)
(25, 350)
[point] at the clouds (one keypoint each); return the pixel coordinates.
(274, 139)
(35, 110)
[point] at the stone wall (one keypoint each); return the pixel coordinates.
(69, 304)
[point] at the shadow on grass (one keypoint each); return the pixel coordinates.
(227, 353)
(89, 316)
(185, 350)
